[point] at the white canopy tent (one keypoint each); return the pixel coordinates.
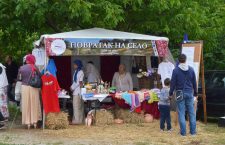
(103, 33)
(100, 34)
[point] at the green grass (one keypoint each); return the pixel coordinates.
(213, 128)
(57, 143)
(12, 111)
(7, 144)
(221, 141)
(141, 143)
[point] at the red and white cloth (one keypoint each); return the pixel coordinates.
(48, 43)
(162, 47)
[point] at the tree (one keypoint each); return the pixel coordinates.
(23, 21)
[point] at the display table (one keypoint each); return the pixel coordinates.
(63, 96)
(95, 98)
(99, 97)
(64, 99)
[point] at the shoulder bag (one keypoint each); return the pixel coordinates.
(179, 94)
(35, 80)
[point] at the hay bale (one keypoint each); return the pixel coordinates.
(57, 121)
(104, 117)
(129, 117)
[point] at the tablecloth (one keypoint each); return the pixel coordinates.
(99, 97)
(63, 96)
(145, 106)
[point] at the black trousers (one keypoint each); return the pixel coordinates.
(1, 117)
(11, 96)
(165, 116)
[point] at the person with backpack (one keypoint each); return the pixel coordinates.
(184, 84)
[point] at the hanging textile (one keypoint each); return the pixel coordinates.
(48, 43)
(50, 88)
(162, 47)
(39, 54)
(51, 67)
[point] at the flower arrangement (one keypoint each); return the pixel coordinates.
(147, 73)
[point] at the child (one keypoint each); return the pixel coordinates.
(164, 106)
(89, 118)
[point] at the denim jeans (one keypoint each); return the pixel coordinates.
(165, 116)
(187, 104)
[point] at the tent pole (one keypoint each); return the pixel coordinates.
(203, 85)
(158, 77)
(43, 124)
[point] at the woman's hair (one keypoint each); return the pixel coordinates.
(8, 57)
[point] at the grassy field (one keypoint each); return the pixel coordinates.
(131, 134)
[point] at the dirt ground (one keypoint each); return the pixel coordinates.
(127, 134)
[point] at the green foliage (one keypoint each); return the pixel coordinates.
(23, 21)
(14, 111)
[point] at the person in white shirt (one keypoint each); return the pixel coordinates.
(165, 70)
(92, 73)
(122, 80)
(3, 93)
(78, 104)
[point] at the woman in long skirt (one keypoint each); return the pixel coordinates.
(31, 108)
(78, 104)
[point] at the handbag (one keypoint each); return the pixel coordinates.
(35, 80)
(179, 94)
(18, 90)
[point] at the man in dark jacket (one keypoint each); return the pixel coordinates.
(184, 79)
(11, 72)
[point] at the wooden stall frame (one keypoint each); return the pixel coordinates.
(202, 67)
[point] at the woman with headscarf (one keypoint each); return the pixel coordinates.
(122, 80)
(78, 104)
(3, 92)
(92, 73)
(31, 109)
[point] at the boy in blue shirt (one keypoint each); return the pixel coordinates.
(164, 106)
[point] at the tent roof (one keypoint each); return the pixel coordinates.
(103, 34)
